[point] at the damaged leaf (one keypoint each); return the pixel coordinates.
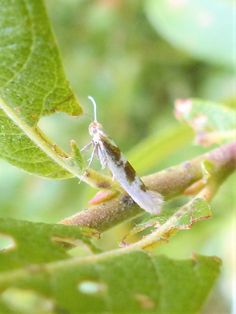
(32, 85)
(212, 122)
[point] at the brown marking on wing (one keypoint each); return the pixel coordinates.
(112, 149)
(143, 187)
(120, 163)
(130, 172)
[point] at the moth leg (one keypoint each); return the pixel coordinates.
(102, 157)
(103, 160)
(87, 146)
(90, 160)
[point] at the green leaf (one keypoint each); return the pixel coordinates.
(17, 148)
(212, 122)
(198, 209)
(114, 281)
(33, 243)
(5, 309)
(76, 156)
(25, 302)
(32, 85)
(32, 78)
(183, 218)
(135, 282)
(202, 210)
(204, 28)
(178, 277)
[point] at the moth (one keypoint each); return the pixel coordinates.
(110, 156)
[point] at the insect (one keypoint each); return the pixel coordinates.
(110, 156)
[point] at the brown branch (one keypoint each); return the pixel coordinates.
(170, 182)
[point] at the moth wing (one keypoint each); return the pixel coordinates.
(102, 156)
(152, 201)
(125, 174)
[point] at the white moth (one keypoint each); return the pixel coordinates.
(110, 156)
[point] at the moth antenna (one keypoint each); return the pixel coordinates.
(94, 107)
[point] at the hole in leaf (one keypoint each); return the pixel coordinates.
(66, 243)
(7, 242)
(27, 301)
(92, 287)
(74, 247)
(144, 301)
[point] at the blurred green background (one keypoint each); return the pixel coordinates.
(136, 58)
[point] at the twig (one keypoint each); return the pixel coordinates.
(170, 182)
(56, 154)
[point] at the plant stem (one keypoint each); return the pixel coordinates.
(170, 182)
(54, 152)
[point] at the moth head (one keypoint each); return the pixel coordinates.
(95, 129)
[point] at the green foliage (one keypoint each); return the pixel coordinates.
(212, 122)
(32, 79)
(32, 85)
(119, 57)
(37, 242)
(17, 148)
(202, 209)
(183, 218)
(196, 26)
(155, 148)
(198, 209)
(136, 282)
